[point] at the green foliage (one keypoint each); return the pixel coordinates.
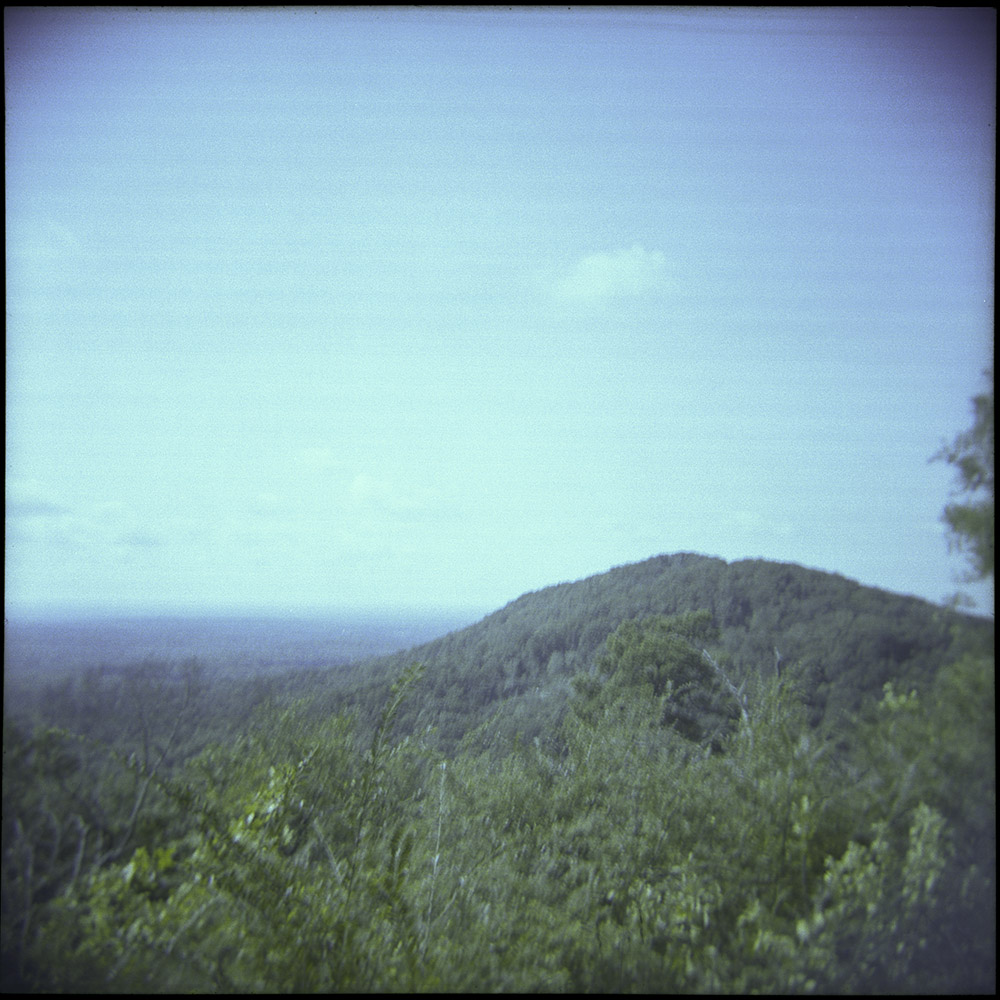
(971, 523)
(652, 817)
(286, 881)
(661, 659)
(70, 806)
(843, 640)
(622, 865)
(940, 751)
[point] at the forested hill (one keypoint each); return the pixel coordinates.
(841, 639)
(569, 796)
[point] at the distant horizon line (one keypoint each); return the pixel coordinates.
(450, 613)
(65, 612)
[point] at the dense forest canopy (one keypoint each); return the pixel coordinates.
(679, 775)
(843, 639)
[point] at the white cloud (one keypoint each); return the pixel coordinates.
(602, 276)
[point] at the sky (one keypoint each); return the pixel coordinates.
(426, 308)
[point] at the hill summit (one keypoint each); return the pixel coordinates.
(842, 639)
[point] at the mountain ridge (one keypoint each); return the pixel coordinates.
(844, 639)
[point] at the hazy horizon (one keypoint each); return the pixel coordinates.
(428, 308)
(449, 617)
(456, 616)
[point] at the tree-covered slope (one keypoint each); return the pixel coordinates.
(612, 785)
(678, 834)
(843, 640)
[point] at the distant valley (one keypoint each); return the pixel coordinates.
(237, 645)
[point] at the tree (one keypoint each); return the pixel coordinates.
(971, 520)
(661, 658)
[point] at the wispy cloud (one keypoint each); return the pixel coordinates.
(603, 276)
(29, 498)
(35, 514)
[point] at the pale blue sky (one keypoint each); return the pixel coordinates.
(386, 307)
